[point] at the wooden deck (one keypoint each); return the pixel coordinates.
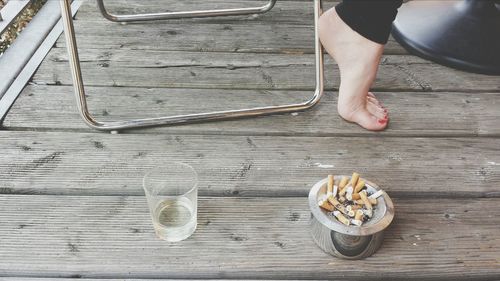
(72, 205)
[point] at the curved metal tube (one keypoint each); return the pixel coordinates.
(188, 118)
(188, 14)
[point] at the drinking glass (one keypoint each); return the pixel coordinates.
(172, 194)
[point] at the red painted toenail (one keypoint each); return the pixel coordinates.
(385, 110)
(382, 121)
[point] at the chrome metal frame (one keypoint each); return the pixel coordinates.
(188, 118)
(188, 14)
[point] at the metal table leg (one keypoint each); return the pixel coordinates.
(184, 14)
(188, 118)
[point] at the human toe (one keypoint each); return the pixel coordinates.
(377, 111)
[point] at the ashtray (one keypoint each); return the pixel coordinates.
(349, 242)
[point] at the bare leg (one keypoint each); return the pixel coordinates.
(358, 59)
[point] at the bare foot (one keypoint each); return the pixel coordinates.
(358, 59)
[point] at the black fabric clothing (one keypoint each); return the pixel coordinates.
(370, 18)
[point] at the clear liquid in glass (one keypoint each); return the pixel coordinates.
(175, 219)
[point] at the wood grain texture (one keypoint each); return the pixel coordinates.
(80, 278)
(287, 28)
(253, 37)
(77, 276)
(104, 164)
(241, 238)
(298, 12)
(412, 113)
(71, 199)
(147, 68)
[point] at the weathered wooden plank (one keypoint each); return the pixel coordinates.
(251, 37)
(299, 12)
(412, 114)
(105, 164)
(140, 68)
(287, 28)
(112, 237)
(74, 276)
(78, 276)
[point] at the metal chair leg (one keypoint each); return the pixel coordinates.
(188, 118)
(188, 14)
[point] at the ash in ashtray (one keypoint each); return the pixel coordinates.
(349, 201)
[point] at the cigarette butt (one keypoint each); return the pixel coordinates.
(344, 190)
(349, 190)
(376, 194)
(342, 199)
(354, 179)
(335, 190)
(367, 203)
(373, 201)
(359, 202)
(350, 211)
(355, 207)
(359, 215)
(337, 205)
(325, 205)
(355, 196)
(343, 182)
(357, 222)
(341, 218)
(330, 184)
(322, 197)
(359, 186)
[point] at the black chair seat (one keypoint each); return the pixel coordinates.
(461, 34)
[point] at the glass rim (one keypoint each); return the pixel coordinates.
(163, 166)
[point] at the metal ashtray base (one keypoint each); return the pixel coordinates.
(349, 242)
